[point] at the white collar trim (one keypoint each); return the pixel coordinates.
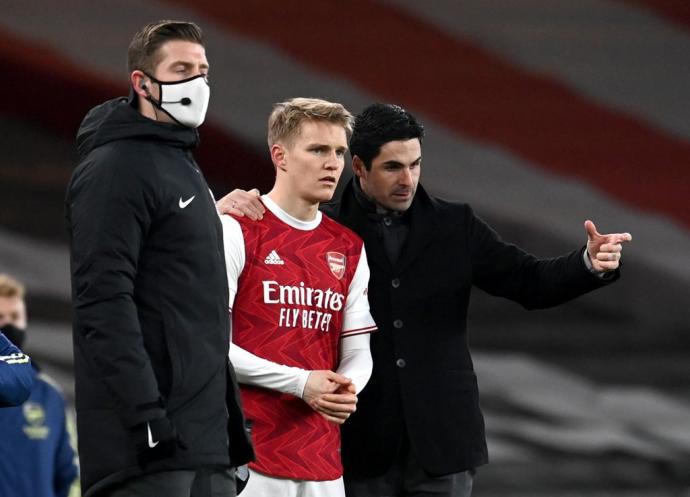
(288, 219)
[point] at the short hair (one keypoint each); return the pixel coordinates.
(379, 124)
(143, 51)
(10, 287)
(286, 118)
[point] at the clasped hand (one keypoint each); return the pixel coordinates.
(330, 394)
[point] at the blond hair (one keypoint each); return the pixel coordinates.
(10, 287)
(285, 120)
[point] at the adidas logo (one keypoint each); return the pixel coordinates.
(274, 258)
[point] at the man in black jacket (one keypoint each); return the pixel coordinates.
(418, 429)
(156, 398)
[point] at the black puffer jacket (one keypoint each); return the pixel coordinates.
(150, 299)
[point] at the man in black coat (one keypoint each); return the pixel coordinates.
(157, 405)
(418, 429)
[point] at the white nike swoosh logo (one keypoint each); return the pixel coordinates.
(152, 444)
(185, 203)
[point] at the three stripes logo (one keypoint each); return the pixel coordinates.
(274, 258)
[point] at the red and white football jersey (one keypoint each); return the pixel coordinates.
(296, 289)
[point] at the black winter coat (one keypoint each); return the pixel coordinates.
(150, 299)
(423, 380)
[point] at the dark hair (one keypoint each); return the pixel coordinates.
(143, 49)
(379, 124)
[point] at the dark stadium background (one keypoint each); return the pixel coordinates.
(540, 113)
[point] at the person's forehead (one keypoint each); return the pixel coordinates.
(408, 150)
(319, 130)
(174, 51)
(11, 304)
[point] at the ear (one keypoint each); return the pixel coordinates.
(22, 321)
(279, 156)
(358, 166)
(137, 79)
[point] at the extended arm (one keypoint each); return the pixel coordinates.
(503, 269)
(16, 377)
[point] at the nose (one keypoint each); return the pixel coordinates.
(405, 177)
(334, 161)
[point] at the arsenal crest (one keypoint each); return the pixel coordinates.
(336, 263)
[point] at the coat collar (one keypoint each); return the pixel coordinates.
(423, 228)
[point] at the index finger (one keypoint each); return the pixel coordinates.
(621, 237)
(253, 198)
(338, 378)
(338, 398)
(250, 206)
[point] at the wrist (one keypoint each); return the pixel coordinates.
(156, 439)
(301, 384)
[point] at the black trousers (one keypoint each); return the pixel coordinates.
(406, 478)
(206, 482)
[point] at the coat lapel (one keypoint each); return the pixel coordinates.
(352, 215)
(423, 229)
(423, 226)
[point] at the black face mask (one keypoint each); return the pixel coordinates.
(14, 335)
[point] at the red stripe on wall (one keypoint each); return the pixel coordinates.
(676, 11)
(406, 61)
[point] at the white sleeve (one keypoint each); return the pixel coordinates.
(355, 360)
(252, 369)
(357, 318)
(259, 372)
(233, 243)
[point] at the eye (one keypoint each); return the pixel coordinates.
(340, 153)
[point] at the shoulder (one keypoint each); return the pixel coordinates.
(339, 230)
(331, 209)
(447, 219)
(50, 383)
(447, 208)
(123, 166)
(50, 390)
(233, 230)
(240, 225)
(451, 216)
(229, 222)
